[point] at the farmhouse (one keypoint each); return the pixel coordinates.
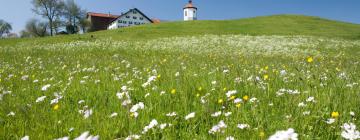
(100, 21)
(131, 18)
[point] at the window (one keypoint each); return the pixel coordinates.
(194, 12)
(130, 22)
(185, 13)
(120, 21)
(134, 11)
(124, 22)
(134, 17)
(127, 16)
(141, 18)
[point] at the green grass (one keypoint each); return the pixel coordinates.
(185, 57)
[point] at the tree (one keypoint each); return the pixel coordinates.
(85, 24)
(35, 28)
(75, 17)
(5, 27)
(50, 9)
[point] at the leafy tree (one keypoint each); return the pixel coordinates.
(5, 27)
(50, 9)
(36, 28)
(75, 16)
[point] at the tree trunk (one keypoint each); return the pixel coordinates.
(51, 26)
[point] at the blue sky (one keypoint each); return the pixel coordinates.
(17, 12)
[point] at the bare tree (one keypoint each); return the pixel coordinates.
(5, 27)
(50, 9)
(35, 28)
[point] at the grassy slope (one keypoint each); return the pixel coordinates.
(267, 25)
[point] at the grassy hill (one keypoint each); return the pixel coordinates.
(266, 25)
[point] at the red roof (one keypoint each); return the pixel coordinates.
(190, 5)
(102, 15)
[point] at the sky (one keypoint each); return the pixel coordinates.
(17, 12)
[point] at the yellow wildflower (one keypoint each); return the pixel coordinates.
(56, 107)
(266, 77)
(266, 67)
(220, 101)
(238, 105)
(232, 97)
(159, 76)
(200, 89)
(198, 95)
(224, 89)
(310, 59)
(246, 98)
(335, 114)
(173, 91)
(262, 134)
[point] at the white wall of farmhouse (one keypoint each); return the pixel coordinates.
(131, 18)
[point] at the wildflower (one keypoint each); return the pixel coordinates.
(227, 114)
(44, 88)
(152, 124)
(306, 113)
(113, 115)
(262, 134)
(285, 135)
(86, 136)
(220, 101)
(189, 116)
(40, 99)
(133, 137)
(349, 132)
(238, 105)
(11, 114)
(302, 104)
(86, 113)
(230, 138)
(25, 138)
(134, 108)
(56, 107)
(218, 128)
(199, 89)
(334, 114)
(63, 138)
(309, 59)
(230, 93)
(330, 121)
(171, 114)
(252, 100)
(266, 77)
(237, 100)
(352, 114)
(243, 126)
(246, 98)
(232, 97)
(216, 114)
(310, 99)
(173, 91)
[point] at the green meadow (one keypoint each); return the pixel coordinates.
(241, 79)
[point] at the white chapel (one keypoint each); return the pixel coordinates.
(190, 11)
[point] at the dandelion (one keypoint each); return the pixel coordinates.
(238, 105)
(245, 98)
(309, 59)
(40, 99)
(262, 134)
(56, 107)
(189, 116)
(285, 135)
(335, 114)
(266, 77)
(232, 97)
(220, 101)
(173, 91)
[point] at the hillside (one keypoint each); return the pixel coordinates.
(266, 25)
